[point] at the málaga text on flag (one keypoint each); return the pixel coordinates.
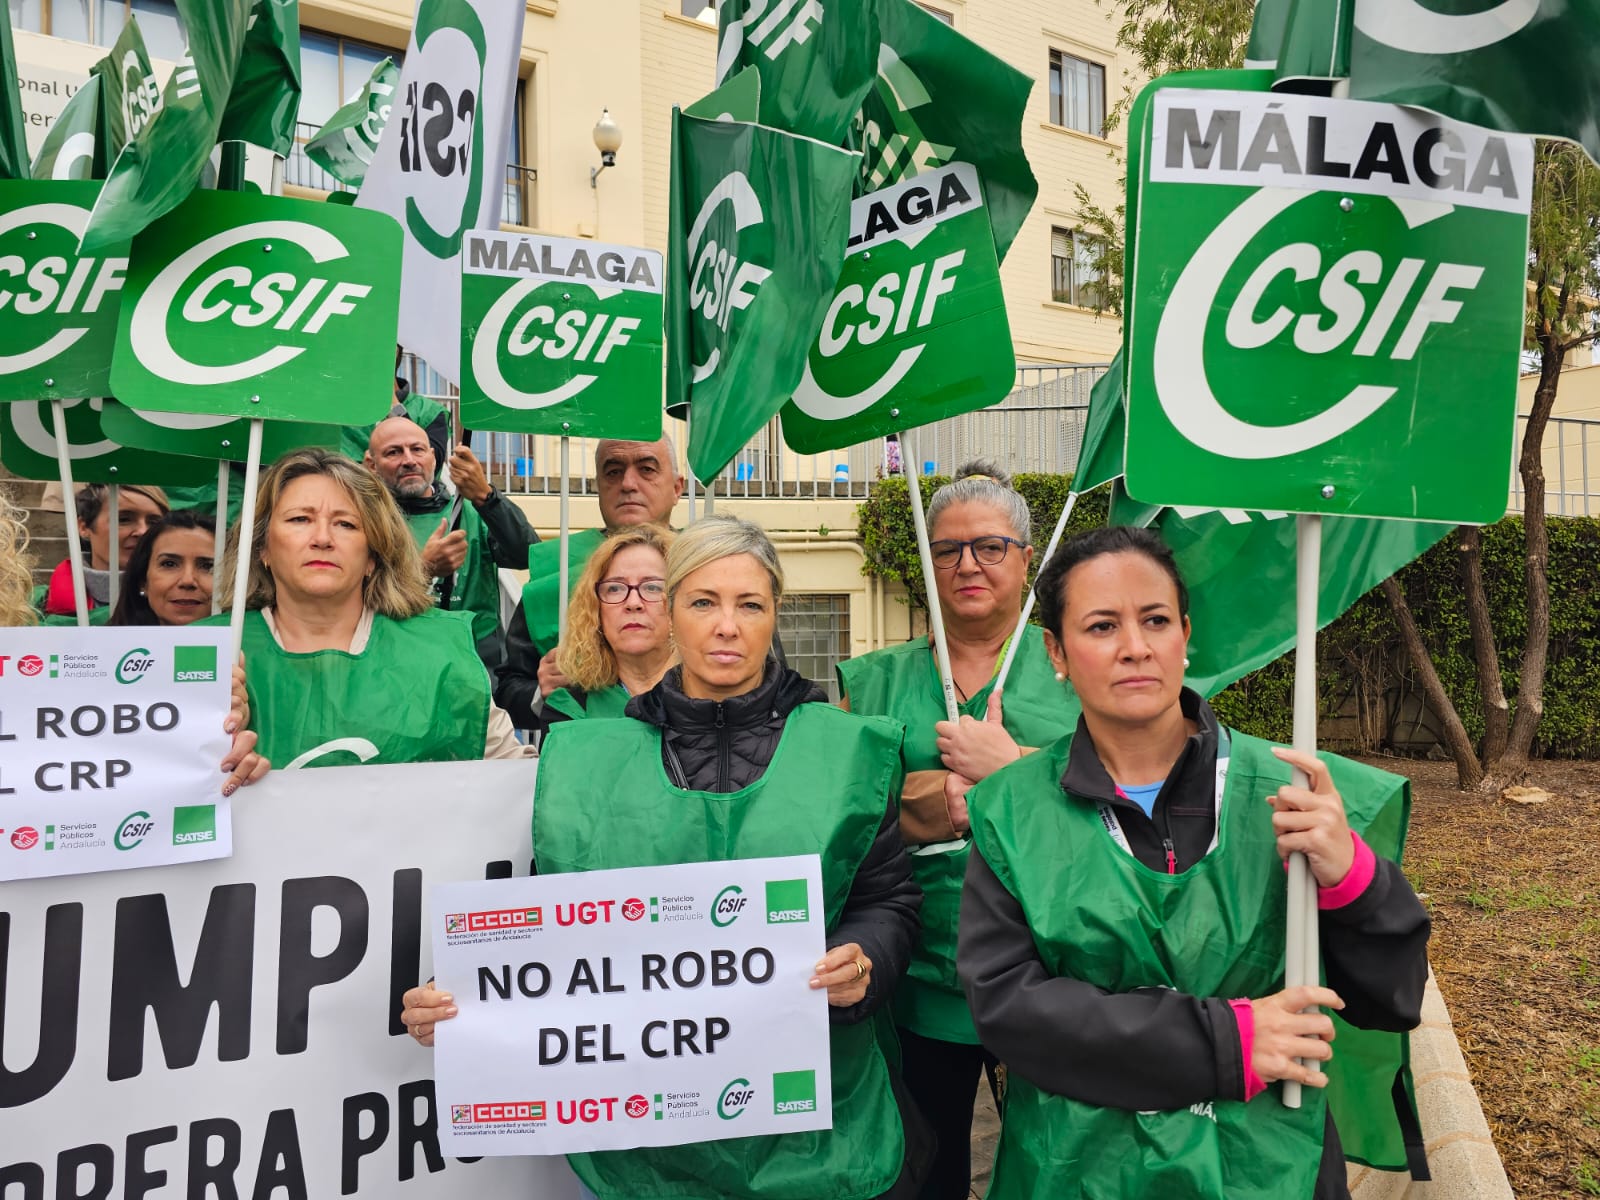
(759, 223)
(439, 167)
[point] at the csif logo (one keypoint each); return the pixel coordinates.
(134, 665)
(440, 131)
(132, 830)
(735, 1098)
(249, 291)
(725, 909)
(48, 279)
(720, 284)
(141, 94)
(772, 26)
(1410, 26)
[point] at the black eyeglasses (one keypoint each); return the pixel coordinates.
(986, 551)
(615, 591)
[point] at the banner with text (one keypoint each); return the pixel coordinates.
(112, 741)
(275, 1063)
(654, 1006)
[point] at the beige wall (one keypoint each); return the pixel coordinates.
(1571, 450)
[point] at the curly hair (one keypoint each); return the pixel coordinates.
(585, 657)
(396, 588)
(133, 607)
(16, 567)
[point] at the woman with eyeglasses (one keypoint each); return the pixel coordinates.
(979, 528)
(619, 640)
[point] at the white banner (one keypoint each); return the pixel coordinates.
(646, 1007)
(111, 746)
(231, 1028)
(440, 166)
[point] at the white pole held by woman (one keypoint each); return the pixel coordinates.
(1027, 605)
(114, 541)
(247, 533)
(69, 504)
(919, 520)
(219, 536)
(566, 534)
(1302, 956)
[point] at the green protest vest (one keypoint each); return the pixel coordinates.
(1216, 930)
(541, 594)
(604, 800)
(903, 682)
(476, 588)
(417, 693)
(607, 702)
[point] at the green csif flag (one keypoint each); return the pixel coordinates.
(266, 89)
(816, 61)
(1522, 66)
(13, 141)
(1240, 566)
(759, 222)
(72, 148)
(1100, 452)
(941, 98)
(130, 97)
(1301, 39)
(158, 169)
(345, 145)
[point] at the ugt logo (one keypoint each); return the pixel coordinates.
(440, 133)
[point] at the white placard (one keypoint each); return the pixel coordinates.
(230, 1028)
(111, 745)
(647, 1007)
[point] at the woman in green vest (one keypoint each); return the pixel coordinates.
(720, 761)
(619, 641)
(1123, 924)
(348, 660)
(980, 532)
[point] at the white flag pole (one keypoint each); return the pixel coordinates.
(566, 536)
(69, 513)
(687, 469)
(247, 533)
(1302, 966)
(219, 537)
(114, 543)
(1027, 605)
(919, 520)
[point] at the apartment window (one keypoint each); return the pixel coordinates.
(947, 18)
(1077, 93)
(98, 22)
(1073, 277)
(815, 629)
(699, 10)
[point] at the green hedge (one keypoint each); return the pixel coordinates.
(1362, 664)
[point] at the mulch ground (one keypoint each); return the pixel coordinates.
(1514, 890)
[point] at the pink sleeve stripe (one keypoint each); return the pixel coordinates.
(1246, 1016)
(1356, 880)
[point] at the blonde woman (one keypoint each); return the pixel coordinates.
(16, 567)
(733, 756)
(619, 641)
(138, 507)
(348, 659)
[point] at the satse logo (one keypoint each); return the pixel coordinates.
(247, 298)
(719, 284)
(58, 283)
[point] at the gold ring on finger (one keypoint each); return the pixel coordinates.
(861, 970)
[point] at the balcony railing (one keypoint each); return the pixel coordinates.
(302, 171)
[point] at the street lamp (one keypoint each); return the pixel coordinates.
(607, 140)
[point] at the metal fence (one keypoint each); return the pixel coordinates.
(1570, 445)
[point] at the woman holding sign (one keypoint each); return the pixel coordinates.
(619, 641)
(979, 531)
(1122, 927)
(349, 661)
(724, 759)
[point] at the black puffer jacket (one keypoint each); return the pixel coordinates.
(722, 746)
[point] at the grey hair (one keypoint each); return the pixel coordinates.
(716, 537)
(982, 481)
(672, 449)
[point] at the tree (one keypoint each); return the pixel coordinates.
(1563, 282)
(1563, 297)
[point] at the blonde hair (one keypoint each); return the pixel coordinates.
(585, 657)
(396, 588)
(716, 537)
(16, 567)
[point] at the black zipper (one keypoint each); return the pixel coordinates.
(724, 753)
